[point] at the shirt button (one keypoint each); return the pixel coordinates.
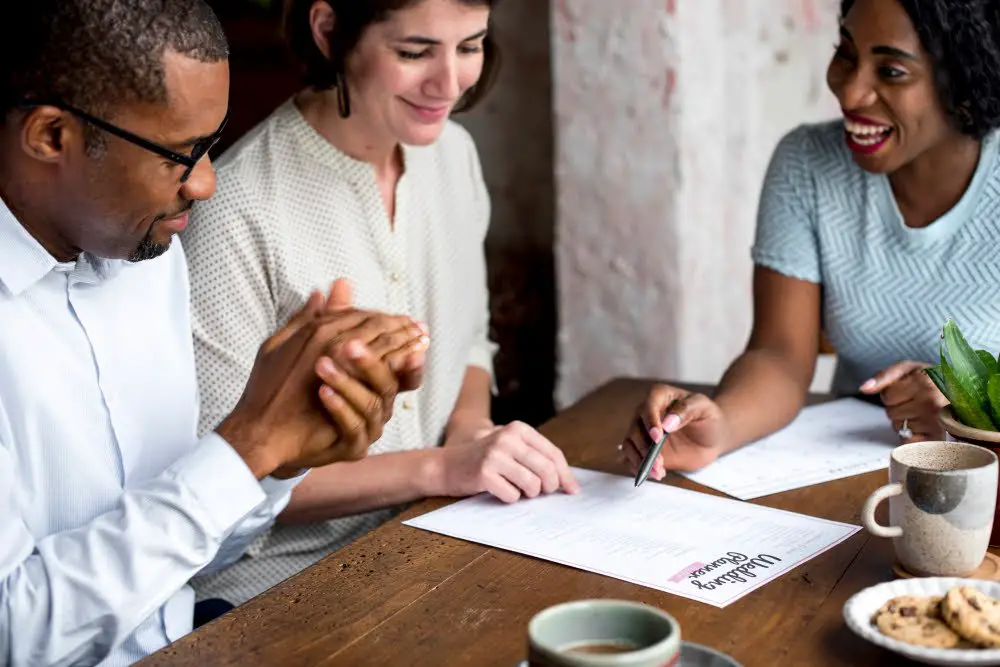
(407, 404)
(395, 277)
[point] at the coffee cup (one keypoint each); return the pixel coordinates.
(603, 633)
(942, 496)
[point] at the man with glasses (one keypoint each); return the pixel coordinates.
(109, 503)
(147, 249)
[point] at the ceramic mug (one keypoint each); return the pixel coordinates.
(941, 501)
(603, 633)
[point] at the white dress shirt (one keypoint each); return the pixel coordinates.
(109, 503)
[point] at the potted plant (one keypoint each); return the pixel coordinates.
(970, 380)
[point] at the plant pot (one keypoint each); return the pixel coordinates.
(974, 436)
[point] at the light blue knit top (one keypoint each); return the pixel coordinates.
(887, 288)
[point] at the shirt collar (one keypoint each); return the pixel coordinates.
(23, 260)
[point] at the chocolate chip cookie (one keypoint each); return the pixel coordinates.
(974, 615)
(916, 620)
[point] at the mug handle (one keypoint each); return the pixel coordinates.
(868, 511)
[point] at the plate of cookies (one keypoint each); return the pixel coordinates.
(933, 620)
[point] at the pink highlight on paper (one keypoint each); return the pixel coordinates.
(685, 572)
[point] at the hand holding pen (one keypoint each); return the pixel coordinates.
(690, 429)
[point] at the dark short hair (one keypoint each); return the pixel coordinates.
(99, 54)
(353, 17)
(962, 38)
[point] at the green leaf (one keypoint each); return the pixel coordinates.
(968, 368)
(937, 376)
(968, 411)
(989, 362)
(993, 391)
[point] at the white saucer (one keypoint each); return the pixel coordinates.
(696, 655)
(693, 655)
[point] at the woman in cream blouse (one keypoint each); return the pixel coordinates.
(362, 175)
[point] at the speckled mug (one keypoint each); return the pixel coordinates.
(941, 501)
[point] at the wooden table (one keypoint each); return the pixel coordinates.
(403, 596)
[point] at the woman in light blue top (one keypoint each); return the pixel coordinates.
(873, 229)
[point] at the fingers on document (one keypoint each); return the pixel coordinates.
(500, 488)
(540, 457)
(528, 462)
(564, 476)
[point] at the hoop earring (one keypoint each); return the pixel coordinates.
(343, 97)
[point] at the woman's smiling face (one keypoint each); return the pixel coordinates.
(884, 81)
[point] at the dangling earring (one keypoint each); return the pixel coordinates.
(463, 101)
(343, 98)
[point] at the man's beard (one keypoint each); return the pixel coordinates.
(147, 248)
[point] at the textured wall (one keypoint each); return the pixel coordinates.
(666, 115)
(617, 175)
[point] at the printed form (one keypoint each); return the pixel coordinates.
(838, 439)
(714, 550)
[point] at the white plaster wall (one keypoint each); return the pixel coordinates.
(617, 143)
(666, 113)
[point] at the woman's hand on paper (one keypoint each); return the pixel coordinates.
(508, 461)
(909, 397)
(697, 427)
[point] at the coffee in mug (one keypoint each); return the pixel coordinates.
(601, 648)
(603, 633)
(942, 496)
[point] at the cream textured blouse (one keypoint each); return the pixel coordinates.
(292, 214)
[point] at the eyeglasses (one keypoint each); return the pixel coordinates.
(200, 148)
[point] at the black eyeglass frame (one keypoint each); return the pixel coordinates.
(198, 151)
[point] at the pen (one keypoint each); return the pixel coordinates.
(647, 463)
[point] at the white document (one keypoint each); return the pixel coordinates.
(838, 439)
(714, 550)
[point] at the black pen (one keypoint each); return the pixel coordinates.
(647, 463)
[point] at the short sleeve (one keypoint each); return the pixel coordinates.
(786, 238)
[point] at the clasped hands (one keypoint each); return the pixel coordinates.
(323, 387)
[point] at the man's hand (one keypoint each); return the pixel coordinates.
(316, 394)
(404, 349)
